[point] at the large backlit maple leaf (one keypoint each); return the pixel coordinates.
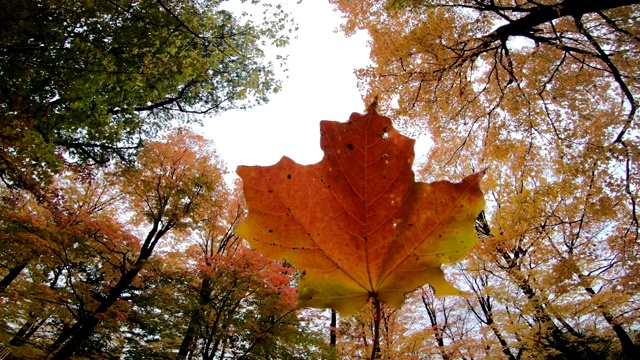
(357, 224)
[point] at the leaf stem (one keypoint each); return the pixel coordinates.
(376, 328)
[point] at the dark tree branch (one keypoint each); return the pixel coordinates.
(525, 26)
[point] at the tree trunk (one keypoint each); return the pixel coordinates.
(196, 317)
(12, 275)
(438, 332)
(628, 347)
(569, 346)
(84, 328)
(485, 305)
(333, 326)
(26, 330)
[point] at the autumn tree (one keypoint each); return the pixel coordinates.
(486, 309)
(173, 180)
(88, 81)
(466, 62)
(142, 261)
(242, 304)
(426, 327)
(20, 225)
(544, 94)
(64, 244)
(214, 236)
(356, 335)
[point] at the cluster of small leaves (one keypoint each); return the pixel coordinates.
(87, 81)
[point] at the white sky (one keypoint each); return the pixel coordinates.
(321, 85)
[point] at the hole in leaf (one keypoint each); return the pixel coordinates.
(385, 135)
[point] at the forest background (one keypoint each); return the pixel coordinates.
(116, 224)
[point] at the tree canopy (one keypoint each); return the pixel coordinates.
(142, 258)
(87, 81)
(543, 94)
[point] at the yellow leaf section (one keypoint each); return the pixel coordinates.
(437, 228)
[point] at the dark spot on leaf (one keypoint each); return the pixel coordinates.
(349, 146)
(270, 230)
(365, 238)
(270, 190)
(289, 176)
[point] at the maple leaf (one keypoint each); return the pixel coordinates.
(357, 224)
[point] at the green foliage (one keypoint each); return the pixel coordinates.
(87, 80)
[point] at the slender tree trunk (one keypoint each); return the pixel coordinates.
(209, 351)
(487, 310)
(503, 343)
(12, 275)
(569, 346)
(375, 349)
(84, 328)
(628, 347)
(196, 317)
(35, 319)
(433, 319)
(26, 330)
(486, 307)
(333, 326)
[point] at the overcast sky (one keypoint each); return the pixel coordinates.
(321, 85)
